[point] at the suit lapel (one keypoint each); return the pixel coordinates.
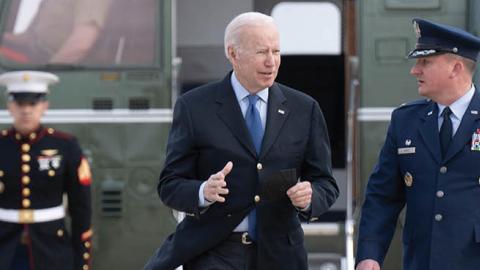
(230, 113)
(277, 113)
(464, 132)
(429, 130)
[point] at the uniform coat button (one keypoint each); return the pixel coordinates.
(443, 169)
(438, 217)
(26, 203)
(26, 158)
(257, 198)
(26, 192)
(25, 168)
(259, 166)
(26, 179)
(440, 194)
(25, 147)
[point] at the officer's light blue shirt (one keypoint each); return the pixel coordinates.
(459, 107)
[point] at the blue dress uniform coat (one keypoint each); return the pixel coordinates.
(208, 131)
(35, 172)
(442, 195)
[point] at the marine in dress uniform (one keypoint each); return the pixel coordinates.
(38, 165)
(430, 162)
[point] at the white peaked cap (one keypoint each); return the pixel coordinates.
(27, 81)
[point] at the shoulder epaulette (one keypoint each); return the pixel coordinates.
(59, 134)
(414, 103)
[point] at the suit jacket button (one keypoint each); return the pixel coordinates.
(259, 166)
(256, 198)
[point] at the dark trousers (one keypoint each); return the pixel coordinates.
(228, 255)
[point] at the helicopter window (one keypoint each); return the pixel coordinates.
(102, 33)
(322, 22)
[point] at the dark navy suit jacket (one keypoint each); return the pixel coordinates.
(209, 130)
(442, 195)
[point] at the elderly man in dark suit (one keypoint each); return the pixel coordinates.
(234, 153)
(430, 162)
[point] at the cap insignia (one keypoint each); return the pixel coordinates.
(26, 77)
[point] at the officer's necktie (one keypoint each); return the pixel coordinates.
(446, 130)
(254, 125)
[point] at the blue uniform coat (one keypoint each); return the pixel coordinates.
(441, 195)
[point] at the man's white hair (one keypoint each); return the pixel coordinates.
(232, 31)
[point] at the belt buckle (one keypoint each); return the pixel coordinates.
(25, 216)
(244, 239)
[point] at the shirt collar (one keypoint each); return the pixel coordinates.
(460, 105)
(241, 93)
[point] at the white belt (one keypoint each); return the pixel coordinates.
(26, 216)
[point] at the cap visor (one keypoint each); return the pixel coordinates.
(27, 97)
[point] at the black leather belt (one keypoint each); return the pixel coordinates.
(241, 237)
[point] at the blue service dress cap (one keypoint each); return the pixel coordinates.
(435, 38)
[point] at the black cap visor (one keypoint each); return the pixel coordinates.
(27, 97)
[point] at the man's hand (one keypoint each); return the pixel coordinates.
(368, 264)
(216, 185)
(301, 194)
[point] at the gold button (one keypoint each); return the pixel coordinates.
(33, 136)
(2, 173)
(51, 173)
(26, 203)
(26, 158)
(85, 267)
(87, 244)
(256, 198)
(18, 136)
(26, 192)
(2, 187)
(86, 256)
(50, 130)
(4, 132)
(25, 147)
(25, 168)
(26, 179)
(60, 232)
(259, 166)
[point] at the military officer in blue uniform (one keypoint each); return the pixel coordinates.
(38, 165)
(430, 162)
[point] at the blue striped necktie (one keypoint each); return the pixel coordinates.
(254, 125)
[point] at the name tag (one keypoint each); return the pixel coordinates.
(406, 150)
